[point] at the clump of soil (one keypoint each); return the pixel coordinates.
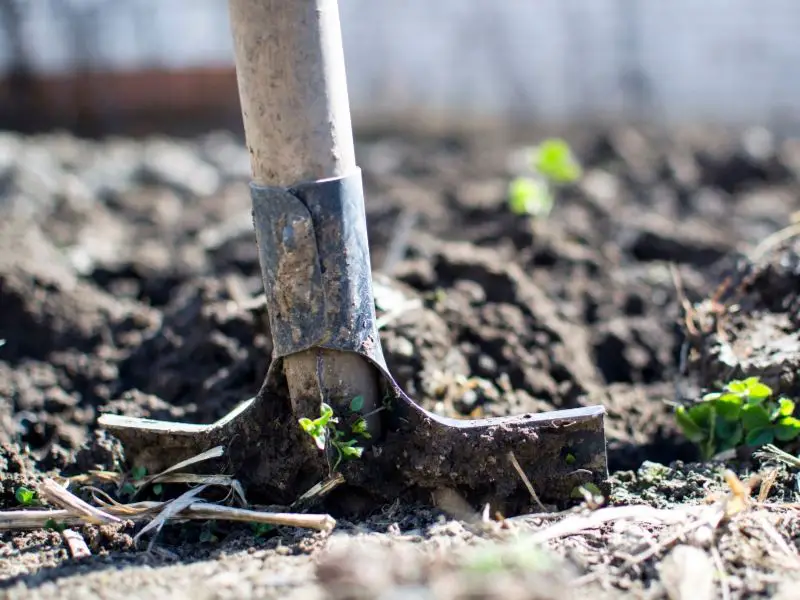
(129, 269)
(750, 326)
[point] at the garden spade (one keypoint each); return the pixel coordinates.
(310, 225)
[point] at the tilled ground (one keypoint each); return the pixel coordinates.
(128, 273)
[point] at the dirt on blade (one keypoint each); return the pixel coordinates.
(130, 287)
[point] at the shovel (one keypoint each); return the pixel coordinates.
(310, 224)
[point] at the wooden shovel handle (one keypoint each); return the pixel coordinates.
(293, 89)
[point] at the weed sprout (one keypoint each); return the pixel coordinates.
(550, 163)
(745, 411)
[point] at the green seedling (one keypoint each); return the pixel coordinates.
(360, 428)
(137, 474)
(553, 158)
(25, 496)
(743, 412)
(318, 428)
(261, 529)
(323, 431)
(552, 163)
(529, 196)
(54, 525)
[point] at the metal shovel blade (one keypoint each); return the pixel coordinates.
(322, 226)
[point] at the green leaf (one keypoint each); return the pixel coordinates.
(757, 390)
(158, 489)
(736, 386)
(25, 496)
(592, 489)
(553, 158)
(528, 196)
(571, 459)
(360, 428)
(755, 416)
(760, 437)
(138, 473)
(687, 424)
(351, 451)
(785, 408)
(356, 404)
(708, 448)
(711, 396)
(307, 425)
(128, 489)
(260, 529)
(703, 414)
(326, 414)
(321, 439)
(729, 433)
(55, 525)
(787, 429)
(728, 406)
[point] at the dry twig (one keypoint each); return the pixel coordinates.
(320, 490)
(773, 240)
(171, 508)
(214, 452)
(140, 511)
(53, 493)
(518, 468)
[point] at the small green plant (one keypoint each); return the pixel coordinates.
(54, 525)
(552, 163)
(137, 474)
(261, 529)
(360, 428)
(25, 496)
(744, 411)
(323, 431)
(554, 160)
(529, 196)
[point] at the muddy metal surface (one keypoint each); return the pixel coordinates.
(128, 273)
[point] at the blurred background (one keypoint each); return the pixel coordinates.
(99, 66)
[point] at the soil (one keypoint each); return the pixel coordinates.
(129, 283)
